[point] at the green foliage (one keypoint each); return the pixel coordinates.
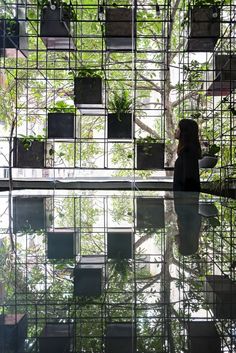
(62, 107)
(121, 103)
(86, 72)
(212, 150)
(29, 139)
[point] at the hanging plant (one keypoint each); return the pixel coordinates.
(121, 104)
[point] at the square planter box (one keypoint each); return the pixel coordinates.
(120, 337)
(119, 128)
(150, 213)
(61, 125)
(119, 29)
(29, 214)
(34, 157)
(62, 244)
(13, 332)
(56, 29)
(88, 92)
(119, 245)
(203, 337)
(13, 36)
(150, 155)
(204, 28)
(89, 276)
(221, 80)
(221, 296)
(56, 338)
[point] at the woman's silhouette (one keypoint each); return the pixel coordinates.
(186, 171)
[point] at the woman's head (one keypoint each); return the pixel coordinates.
(187, 134)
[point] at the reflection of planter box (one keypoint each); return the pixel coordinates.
(119, 29)
(56, 338)
(56, 29)
(119, 128)
(204, 28)
(62, 244)
(61, 125)
(208, 162)
(88, 93)
(29, 213)
(13, 332)
(120, 337)
(221, 80)
(221, 296)
(119, 245)
(203, 337)
(150, 155)
(28, 158)
(150, 213)
(89, 276)
(13, 36)
(207, 209)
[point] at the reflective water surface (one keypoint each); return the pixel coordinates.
(117, 272)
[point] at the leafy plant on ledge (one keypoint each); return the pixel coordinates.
(69, 14)
(86, 72)
(62, 107)
(147, 142)
(121, 103)
(28, 140)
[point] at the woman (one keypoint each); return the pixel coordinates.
(186, 171)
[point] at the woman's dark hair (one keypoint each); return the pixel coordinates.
(189, 138)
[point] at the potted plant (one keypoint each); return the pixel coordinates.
(221, 78)
(56, 29)
(89, 92)
(56, 338)
(150, 153)
(150, 213)
(120, 29)
(203, 337)
(119, 122)
(61, 121)
(89, 276)
(29, 152)
(29, 214)
(220, 295)
(120, 337)
(119, 245)
(209, 157)
(62, 244)
(13, 331)
(204, 26)
(13, 36)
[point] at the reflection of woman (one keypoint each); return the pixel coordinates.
(186, 171)
(189, 222)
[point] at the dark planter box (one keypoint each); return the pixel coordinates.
(88, 92)
(150, 155)
(89, 276)
(62, 244)
(119, 245)
(120, 337)
(208, 162)
(56, 338)
(221, 296)
(13, 332)
(222, 79)
(13, 36)
(204, 29)
(28, 214)
(203, 337)
(61, 125)
(119, 128)
(118, 29)
(56, 29)
(150, 213)
(34, 157)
